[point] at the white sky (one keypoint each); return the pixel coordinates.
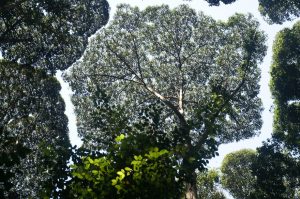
(222, 13)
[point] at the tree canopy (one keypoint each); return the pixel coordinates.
(270, 172)
(277, 165)
(36, 39)
(203, 73)
(237, 174)
(279, 11)
(285, 85)
(33, 130)
(217, 2)
(277, 172)
(274, 11)
(49, 34)
(176, 59)
(155, 93)
(128, 169)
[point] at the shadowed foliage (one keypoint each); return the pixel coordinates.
(217, 2)
(274, 11)
(285, 86)
(277, 172)
(237, 175)
(33, 131)
(49, 34)
(279, 11)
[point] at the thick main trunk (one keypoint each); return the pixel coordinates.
(191, 188)
(190, 174)
(191, 191)
(191, 183)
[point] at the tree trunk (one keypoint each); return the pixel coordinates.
(191, 191)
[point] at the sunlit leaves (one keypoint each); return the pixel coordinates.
(146, 175)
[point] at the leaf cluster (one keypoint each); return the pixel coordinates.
(33, 131)
(285, 86)
(114, 174)
(279, 11)
(270, 172)
(49, 34)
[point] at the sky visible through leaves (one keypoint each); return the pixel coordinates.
(220, 13)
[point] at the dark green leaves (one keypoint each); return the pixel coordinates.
(237, 174)
(33, 130)
(277, 172)
(125, 171)
(274, 11)
(217, 2)
(278, 11)
(285, 85)
(207, 183)
(271, 172)
(49, 34)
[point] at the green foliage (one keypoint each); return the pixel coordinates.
(285, 86)
(280, 10)
(42, 37)
(271, 172)
(276, 166)
(112, 175)
(91, 177)
(237, 173)
(201, 75)
(217, 2)
(277, 172)
(274, 11)
(207, 184)
(33, 132)
(50, 34)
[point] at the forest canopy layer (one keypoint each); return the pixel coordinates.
(202, 74)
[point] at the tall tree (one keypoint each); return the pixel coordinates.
(271, 172)
(33, 130)
(50, 34)
(277, 166)
(203, 72)
(285, 85)
(277, 172)
(237, 174)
